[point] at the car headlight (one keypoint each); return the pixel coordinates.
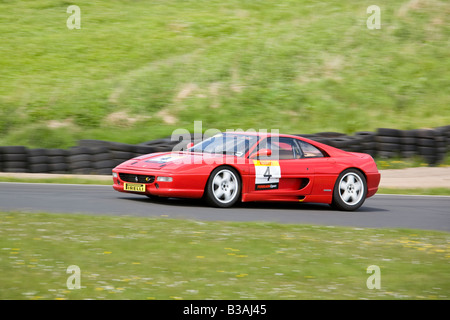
(114, 174)
(164, 179)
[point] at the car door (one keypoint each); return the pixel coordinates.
(284, 171)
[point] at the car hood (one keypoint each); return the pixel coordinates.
(170, 160)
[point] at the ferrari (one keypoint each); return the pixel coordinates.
(240, 166)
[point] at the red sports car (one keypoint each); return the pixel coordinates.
(231, 167)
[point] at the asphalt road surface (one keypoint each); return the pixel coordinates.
(393, 211)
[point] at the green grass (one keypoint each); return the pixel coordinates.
(416, 191)
(403, 163)
(159, 258)
(136, 70)
(64, 180)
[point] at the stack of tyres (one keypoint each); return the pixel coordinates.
(431, 145)
(367, 142)
(408, 144)
(353, 144)
(101, 155)
(102, 162)
(14, 158)
(57, 160)
(143, 150)
(309, 136)
(79, 160)
(325, 137)
(38, 161)
(347, 143)
(334, 139)
(388, 143)
(108, 154)
(320, 139)
(121, 152)
(330, 134)
(444, 132)
(162, 145)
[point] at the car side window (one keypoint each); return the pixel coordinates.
(283, 148)
(309, 151)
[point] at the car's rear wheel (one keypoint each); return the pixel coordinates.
(223, 188)
(350, 190)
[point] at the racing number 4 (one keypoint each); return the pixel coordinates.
(267, 174)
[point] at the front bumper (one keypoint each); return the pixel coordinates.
(182, 185)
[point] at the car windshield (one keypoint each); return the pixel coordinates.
(226, 143)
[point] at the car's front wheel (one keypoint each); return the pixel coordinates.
(223, 187)
(350, 190)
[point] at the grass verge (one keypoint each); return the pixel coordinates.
(157, 258)
(63, 180)
(416, 191)
(403, 163)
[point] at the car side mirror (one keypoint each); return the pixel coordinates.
(190, 145)
(261, 153)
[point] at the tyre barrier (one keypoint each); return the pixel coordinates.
(100, 157)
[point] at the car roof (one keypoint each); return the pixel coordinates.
(329, 150)
(260, 134)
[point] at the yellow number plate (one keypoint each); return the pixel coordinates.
(134, 187)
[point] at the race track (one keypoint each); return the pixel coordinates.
(396, 211)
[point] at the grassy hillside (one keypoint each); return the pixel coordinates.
(136, 70)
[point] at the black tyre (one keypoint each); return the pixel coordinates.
(117, 146)
(427, 142)
(426, 133)
(408, 147)
(79, 150)
(104, 164)
(124, 155)
(340, 142)
(15, 157)
(14, 165)
(223, 188)
(386, 154)
(101, 156)
(79, 157)
(365, 136)
(39, 168)
(38, 160)
(387, 139)
(57, 159)
(104, 171)
(350, 190)
(388, 147)
(14, 149)
(37, 152)
(144, 149)
(427, 151)
(389, 132)
(80, 165)
(57, 152)
(58, 167)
